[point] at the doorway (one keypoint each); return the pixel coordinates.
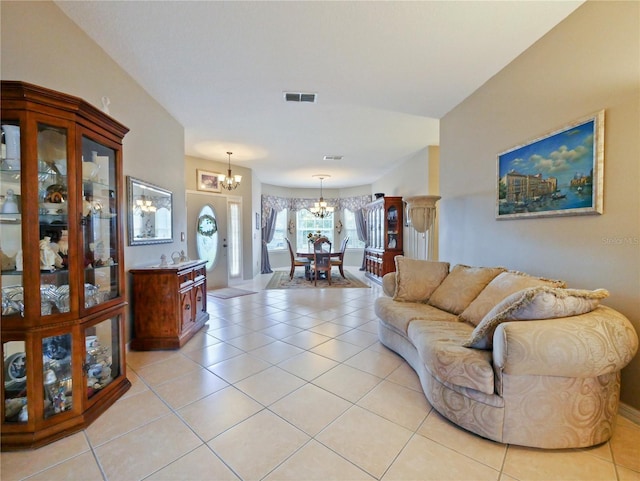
(211, 243)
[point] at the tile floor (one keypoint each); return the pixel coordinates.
(293, 385)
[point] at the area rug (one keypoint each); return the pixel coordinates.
(280, 280)
(228, 292)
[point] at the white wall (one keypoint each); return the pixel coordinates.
(590, 61)
(41, 45)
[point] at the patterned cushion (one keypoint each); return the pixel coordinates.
(461, 286)
(417, 279)
(439, 345)
(502, 286)
(533, 304)
(400, 314)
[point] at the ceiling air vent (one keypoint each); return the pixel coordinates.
(299, 97)
(332, 157)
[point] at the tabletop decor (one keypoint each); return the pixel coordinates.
(557, 174)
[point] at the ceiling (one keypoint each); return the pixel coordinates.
(383, 72)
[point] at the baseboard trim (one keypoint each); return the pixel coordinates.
(629, 413)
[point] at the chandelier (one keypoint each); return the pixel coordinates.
(145, 205)
(321, 209)
(230, 182)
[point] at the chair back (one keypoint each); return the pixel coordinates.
(343, 247)
(322, 260)
(290, 249)
(319, 244)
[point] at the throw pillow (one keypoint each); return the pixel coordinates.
(461, 286)
(417, 279)
(533, 304)
(500, 287)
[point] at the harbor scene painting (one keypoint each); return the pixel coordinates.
(559, 173)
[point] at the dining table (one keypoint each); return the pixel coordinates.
(308, 254)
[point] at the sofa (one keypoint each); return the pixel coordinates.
(514, 358)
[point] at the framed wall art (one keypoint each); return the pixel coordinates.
(208, 181)
(557, 174)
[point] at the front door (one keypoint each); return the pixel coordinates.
(207, 239)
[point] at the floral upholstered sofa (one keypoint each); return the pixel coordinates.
(514, 358)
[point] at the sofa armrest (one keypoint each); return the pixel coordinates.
(389, 284)
(592, 344)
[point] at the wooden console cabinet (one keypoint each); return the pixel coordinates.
(169, 305)
(384, 236)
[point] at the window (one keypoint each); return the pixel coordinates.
(235, 240)
(278, 243)
(309, 223)
(351, 230)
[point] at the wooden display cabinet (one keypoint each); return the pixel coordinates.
(384, 236)
(62, 264)
(169, 304)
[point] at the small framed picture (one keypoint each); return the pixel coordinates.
(208, 181)
(257, 221)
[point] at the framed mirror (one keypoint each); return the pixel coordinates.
(150, 213)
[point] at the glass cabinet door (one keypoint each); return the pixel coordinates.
(57, 374)
(11, 221)
(100, 242)
(102, 355)
(15, 382)
(53, 188)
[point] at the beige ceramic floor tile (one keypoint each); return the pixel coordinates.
(625, 474)
(307, 365)
(269, 385)
(218, 412)
(359, 337)
(229, 332)
(276, 352)
(20, 464)
(347, 382)
(200, 340)
(528, 464)
(365, 439)
(330, 329)
(625, 444)
(306, 339)
(163, 371)
(192, 386)
(256, 446)
(199, 464)
(337, 350)
(379, 364)
(147, 449)
(442, 431)
(140, 359)
(239, 367)
(125, 415)
(423, 459)
(310, 408)
(80, 468)
(251, 341)
(304, 322)
(214, 354)
(398, 404)
(137, 384)
(405, 376)
(281, 330)
(314, 462)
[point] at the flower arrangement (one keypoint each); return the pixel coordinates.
(313, 236)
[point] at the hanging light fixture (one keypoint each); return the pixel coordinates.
(320, 208)
(230, 182)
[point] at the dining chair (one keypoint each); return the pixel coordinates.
(321, 263)
(297, 261)
(339, 259)
(321, 259)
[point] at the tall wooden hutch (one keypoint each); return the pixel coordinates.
(63, 302)
(384, 236)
